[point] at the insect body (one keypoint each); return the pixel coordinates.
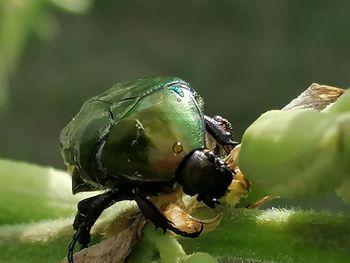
(140, 139)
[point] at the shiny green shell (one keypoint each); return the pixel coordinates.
(134, 132)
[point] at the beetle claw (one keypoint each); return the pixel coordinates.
(186, 234)
(71, 246)
(151, 212)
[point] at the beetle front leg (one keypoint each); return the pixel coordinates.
(221, 130)
(89, 210)
(152, 213)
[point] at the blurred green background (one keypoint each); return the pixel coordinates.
(243, 57)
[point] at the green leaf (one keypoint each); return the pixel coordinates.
(34, 204)
(30, 193)
(37, 209)
(275, 235)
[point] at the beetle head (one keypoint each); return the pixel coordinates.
(205, 174)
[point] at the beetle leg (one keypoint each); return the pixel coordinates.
(89, 210)
(152, 213)
(221, 130)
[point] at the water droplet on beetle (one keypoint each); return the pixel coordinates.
(177, 147)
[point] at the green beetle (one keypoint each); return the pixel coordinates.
(139, 139)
